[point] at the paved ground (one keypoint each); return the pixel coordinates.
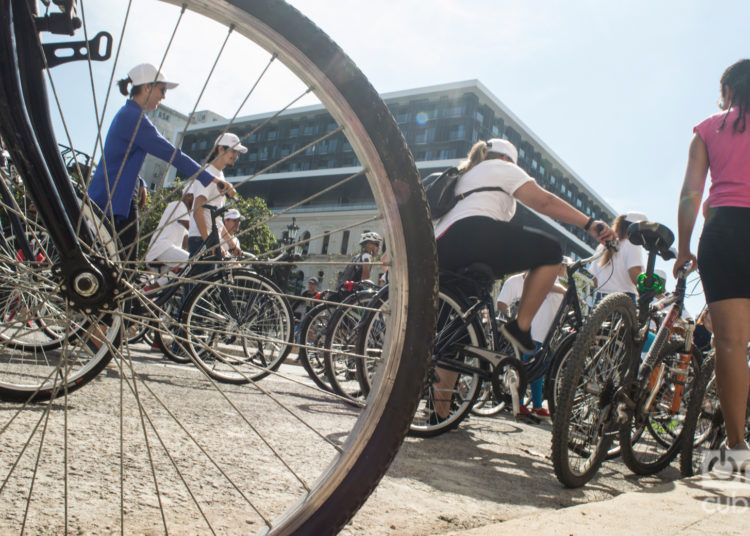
(491, 470)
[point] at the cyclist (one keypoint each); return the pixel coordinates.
(618, 271)
(130, 138)
(225, 152)
(507, 299)
(478, 229)
(169, 241)
(232, 221)
(370, 242)
(721, 143)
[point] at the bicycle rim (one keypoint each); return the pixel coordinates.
(173, 432)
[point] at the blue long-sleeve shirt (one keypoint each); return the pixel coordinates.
(148, 140)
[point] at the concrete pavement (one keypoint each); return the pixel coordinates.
(695, 506)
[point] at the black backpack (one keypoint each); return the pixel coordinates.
(440, 191)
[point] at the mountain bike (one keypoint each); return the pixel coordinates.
(194, 454)
(606, 390)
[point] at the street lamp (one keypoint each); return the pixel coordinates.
(291, 234)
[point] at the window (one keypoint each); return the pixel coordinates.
(456, 132)
(402, 118)
(305, 242)
(310, 130)
(252, 157)
(446, 154)
(425, 136)
(331, 127)
(252, 138)
(495, 130)
(479, 117)
(263, 154)
(345, 242)
(454, 111)
(552, 179)
(347, 147)
(284, 151)
(541, 170)
(272, 134)
(326, 241)
(294, 132)
(521, 152)
(534, 164)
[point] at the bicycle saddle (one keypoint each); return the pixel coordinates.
(653, 237)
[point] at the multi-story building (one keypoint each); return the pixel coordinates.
(171, 124)
(440, 124)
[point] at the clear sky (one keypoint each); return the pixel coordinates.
(614, 88)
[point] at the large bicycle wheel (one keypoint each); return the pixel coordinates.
(446, 385)
(650, 440)
(583, 428)
(188, 453)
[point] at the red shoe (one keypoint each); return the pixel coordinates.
(541, 412)
(524, 411)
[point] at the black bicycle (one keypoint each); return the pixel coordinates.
(470, 351)
(203, 449)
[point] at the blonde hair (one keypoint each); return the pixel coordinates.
(477, 154)
(619, 227)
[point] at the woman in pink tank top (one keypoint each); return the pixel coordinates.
(721, 145)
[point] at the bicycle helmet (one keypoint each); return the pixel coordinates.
(370, 236)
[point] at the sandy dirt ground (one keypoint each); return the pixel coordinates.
(223, 458)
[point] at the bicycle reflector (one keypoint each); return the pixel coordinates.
(657, 285)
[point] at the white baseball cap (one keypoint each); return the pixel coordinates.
(504, 147)
(145, 73)
(233, 214)
(232, 141)
(635, 217)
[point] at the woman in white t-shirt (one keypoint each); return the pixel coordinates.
(225, 153)
(478, 230)
(618, 271)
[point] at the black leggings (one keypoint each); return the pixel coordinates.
(507, 247)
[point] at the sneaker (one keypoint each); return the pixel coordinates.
(541, 412)
(517, 337)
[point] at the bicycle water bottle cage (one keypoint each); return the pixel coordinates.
(657, 284)
(653, 237)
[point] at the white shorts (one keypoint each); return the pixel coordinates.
(173, 257)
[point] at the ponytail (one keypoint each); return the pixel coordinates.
(477, 154)
(123, 87)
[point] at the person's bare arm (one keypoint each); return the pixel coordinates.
(199, 215)
(535, 197)
(503, 308)
(690, 200)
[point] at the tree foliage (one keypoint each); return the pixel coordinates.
(255, 236)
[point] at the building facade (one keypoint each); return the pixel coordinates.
(285, 165)
(172, 125)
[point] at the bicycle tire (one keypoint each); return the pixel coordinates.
(312, 339)
(342, 334)
(370, 340)
(553, 377)
(379, 430)
(700, 408)
(654, 447)
(565, 425)
(431, 425)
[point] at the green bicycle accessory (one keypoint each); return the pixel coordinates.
(657, 285)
